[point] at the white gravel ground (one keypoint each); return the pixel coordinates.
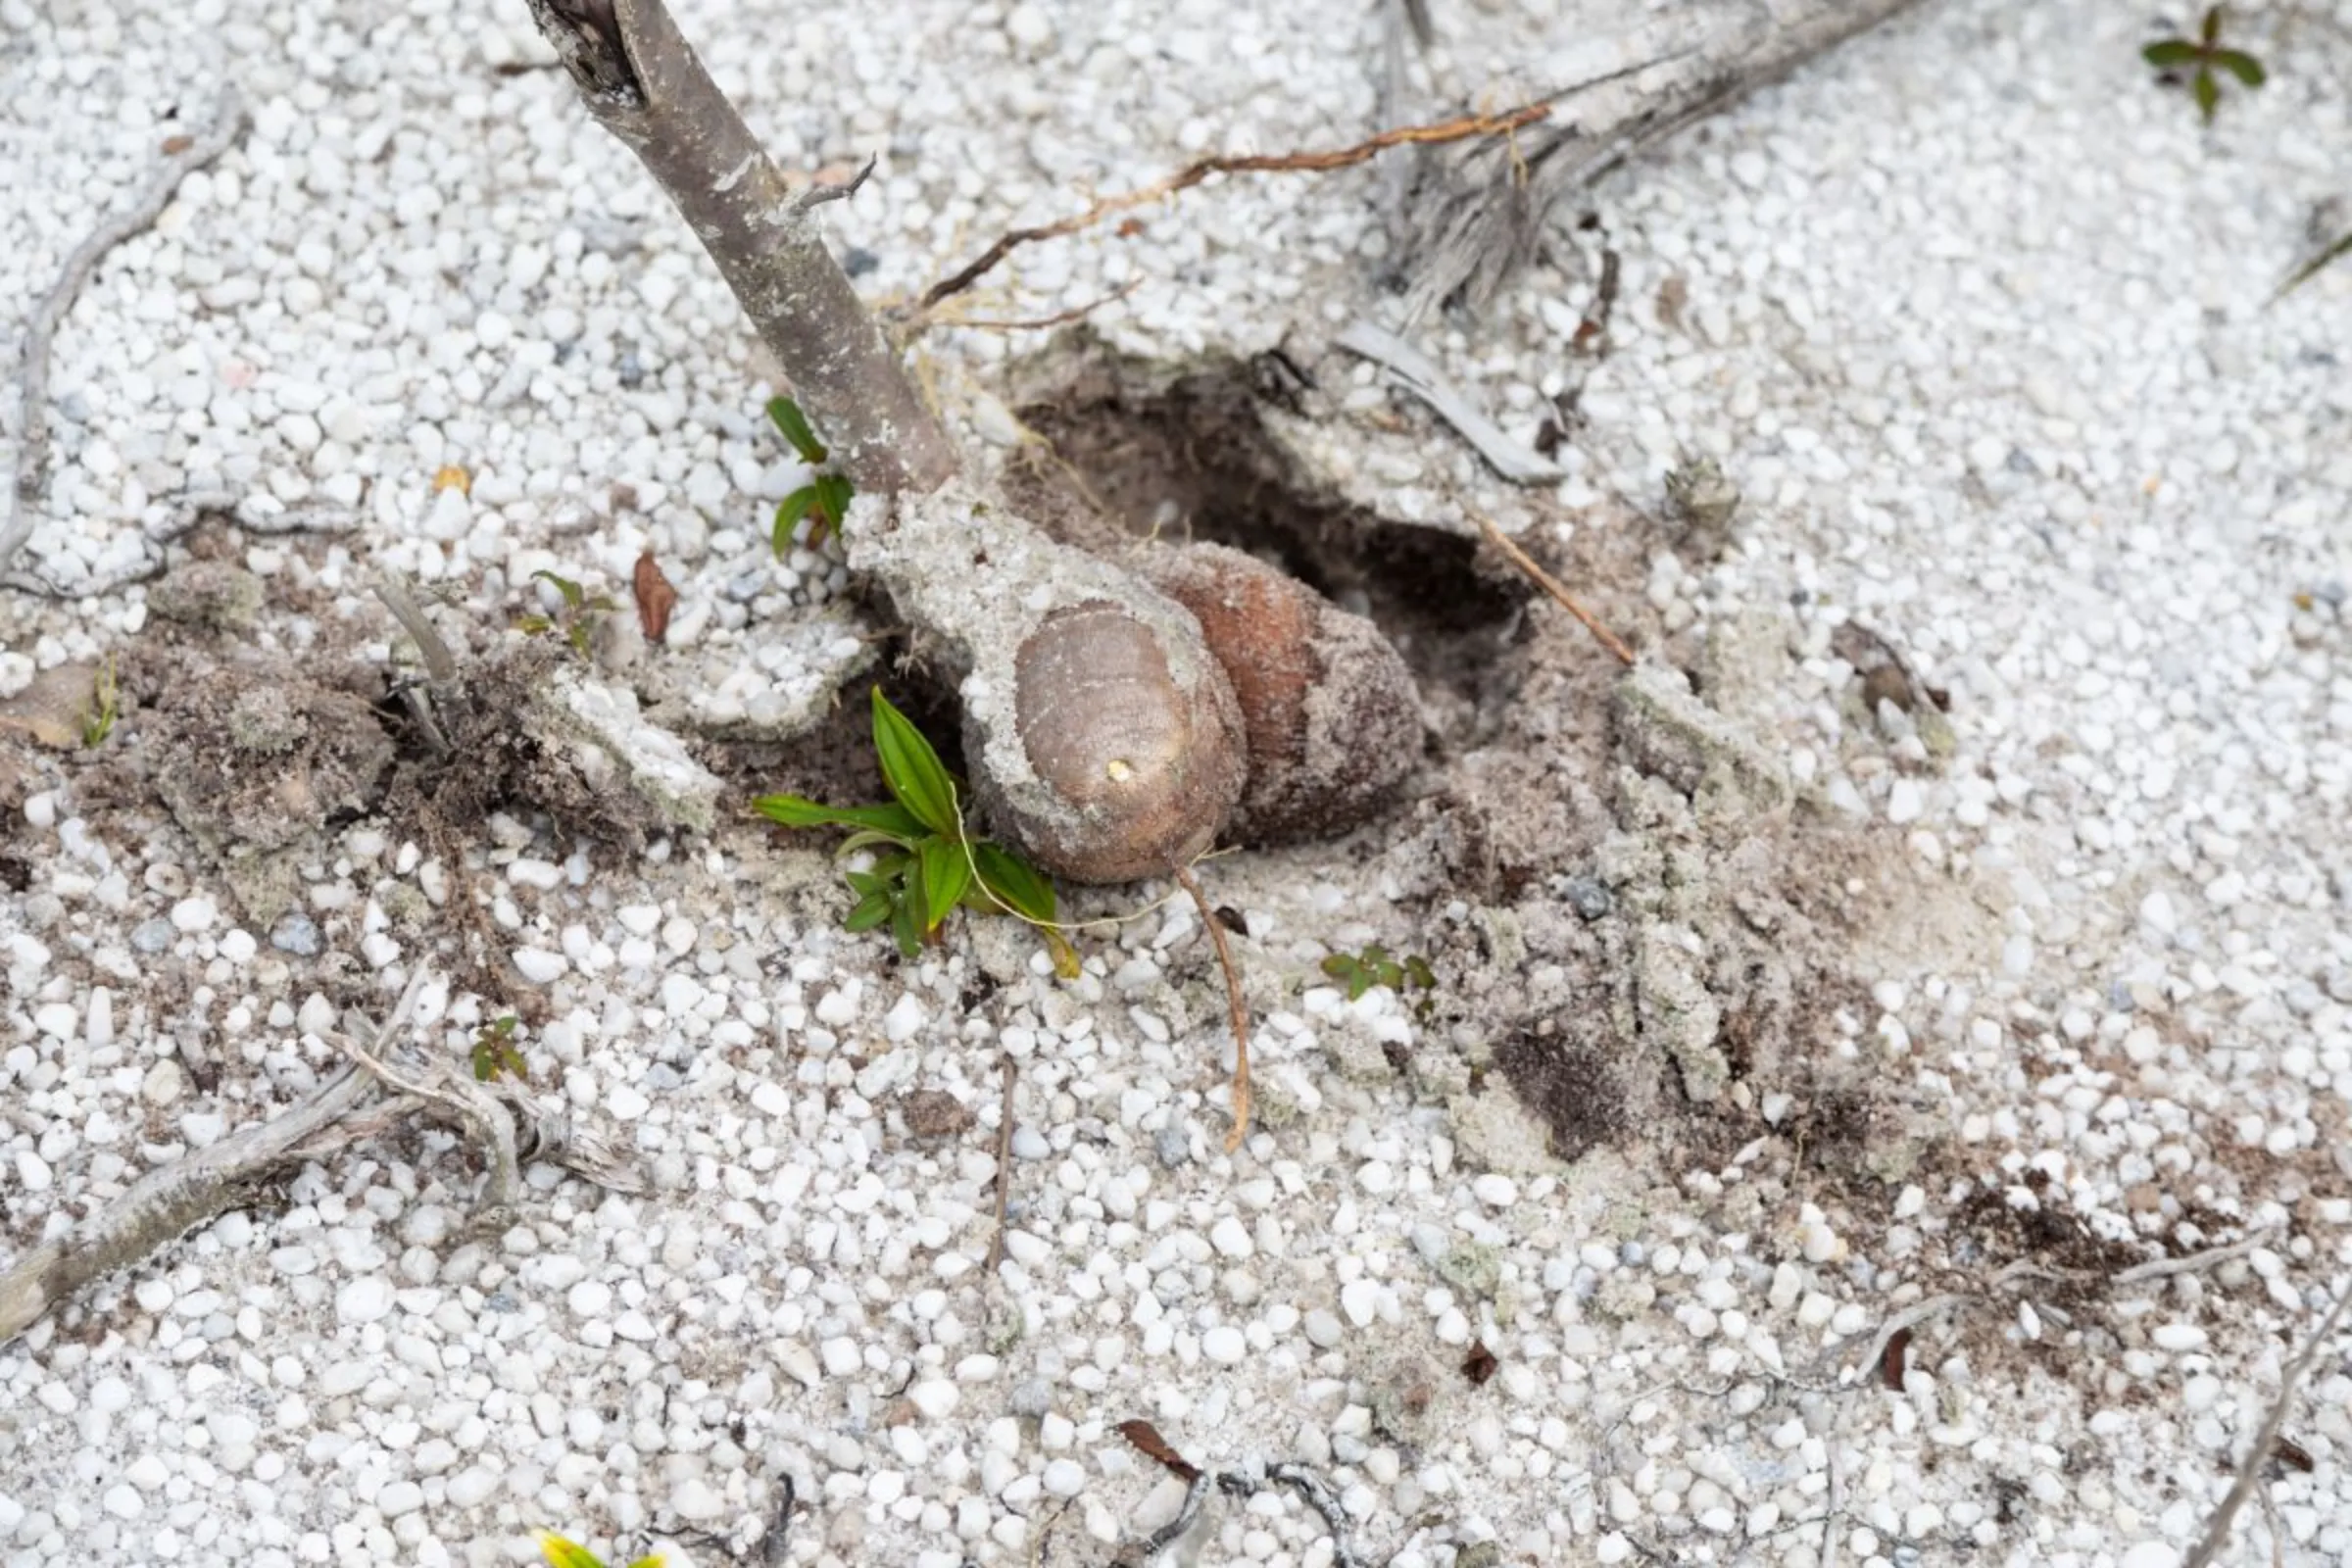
(1977, 317)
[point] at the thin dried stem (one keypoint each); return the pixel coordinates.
(1552, 585)
(2217, 1529)
(1461, 129)
(32, 440)
(996, 1245)
(1237, 1007)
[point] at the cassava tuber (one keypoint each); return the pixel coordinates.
(1328, 708)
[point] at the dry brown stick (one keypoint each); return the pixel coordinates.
(1041, 323)
(182, 157)
(996, 1245)
(1550, 585)
(1237, 1007)
(1461, 129)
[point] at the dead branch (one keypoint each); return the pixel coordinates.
(642, 82)
(1463, 128)
(1474, 219)
(32, 441)
(367, 1099)
(1552, 585)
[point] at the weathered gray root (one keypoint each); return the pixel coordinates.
(168, 1202)
(1478, 212)
(642, 82)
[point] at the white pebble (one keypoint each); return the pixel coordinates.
(366, 1300)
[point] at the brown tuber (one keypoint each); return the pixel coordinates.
(1331, 718)
(1150, 775)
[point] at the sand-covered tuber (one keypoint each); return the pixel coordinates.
(1328, 707)
(1100, 735)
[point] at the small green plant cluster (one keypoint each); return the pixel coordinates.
(1360, 972)
(827, 495)
(2200, 57)
(495, 1053)
(562, 1554)
(106, 706)
(576, 623)
(927, 864)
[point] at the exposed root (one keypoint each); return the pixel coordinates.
(1552, 585)
(1237, 1007)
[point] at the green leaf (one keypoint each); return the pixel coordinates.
(907, 927)
(650, 1560)
(1417, 969)
(947, 875)
(795, 425)
(894, 822)
(575, 596)
(2170, 54)
(788, 513)
(868, 912)
(2211, 28)
(562, 1553)
(1014, 883)
(2337, 250)
(2245, 67)
(833, 493)
(869, 839)
(2207, 91)
(912, 770)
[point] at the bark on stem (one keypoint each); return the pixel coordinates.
(642, 82)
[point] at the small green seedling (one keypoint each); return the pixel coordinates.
(576, 623)
(562, 1554)
(2200, 59)
(106, 706)
(495, 1053)
(927, 864)
(1360, 972)
(827, 494)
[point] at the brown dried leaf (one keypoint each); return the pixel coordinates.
(1480, 1364)
(655, 598)
(1147, 1440)
(1894, 1364)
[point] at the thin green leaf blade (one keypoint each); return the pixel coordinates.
(2245, 67)
(562, 1553)
(946, 874)
(575, 596)
(2170, 54)
(788, 513)
(795, 424)
(868, 912)
(2211, 28)
(1015, 884)
(2207, 91)
(913, 770)
(2335, 251)
(833, 493)
(890, 819)
(907, 926)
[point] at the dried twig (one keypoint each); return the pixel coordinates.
(1316, 1492)
(822, 192)
(2217, 1529)
(996, 1245)
(1550, 585)
(2193, 1264)
(1040, 324)
(1461, 129)
(32, 441)
(1237, 1006)
(1426, 381)
(173, 1200)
